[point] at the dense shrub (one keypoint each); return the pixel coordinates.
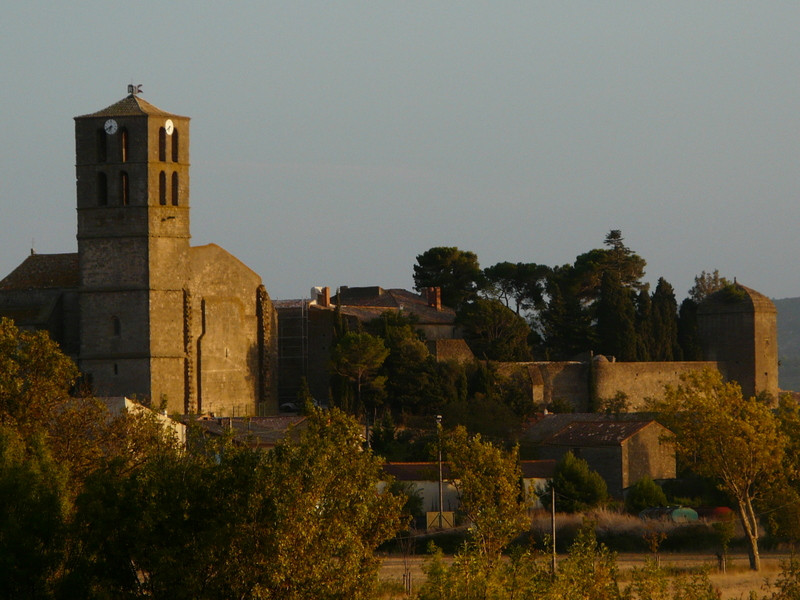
(644, 494)
(578, 488)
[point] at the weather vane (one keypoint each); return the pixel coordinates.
(134, 89)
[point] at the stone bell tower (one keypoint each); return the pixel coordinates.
(132, 165)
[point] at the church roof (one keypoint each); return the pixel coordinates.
(130, 106)
(44, 271)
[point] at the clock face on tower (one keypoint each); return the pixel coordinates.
(110, 127)
(169, 127)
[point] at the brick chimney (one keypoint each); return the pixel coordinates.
(434, 297)
(324, 297)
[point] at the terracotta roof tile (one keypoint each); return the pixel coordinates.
(610, 433)
(128, 107)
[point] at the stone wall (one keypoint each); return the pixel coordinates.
(640, 380)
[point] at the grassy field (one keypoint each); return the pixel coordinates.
(735, 584)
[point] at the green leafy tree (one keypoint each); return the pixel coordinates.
(589, 571)
(35, 377)
(522, 284)
(645, 493)
(706, 284)
(617, 259)
(455, 271)
(409, 368)
(488, 481)
(494, 332)
(616, 319)
(326, 517)
(358, 356)
(578, 488)
(34, 510)
(566, 323)
(746, 461)
(222, 521)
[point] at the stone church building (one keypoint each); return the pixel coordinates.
(143, 313)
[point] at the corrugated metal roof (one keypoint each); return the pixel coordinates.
(44, 271)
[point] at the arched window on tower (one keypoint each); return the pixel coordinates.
(123, 141)
(162, 188)
(102, 146)
(175, 188)
(162, 144)
(174, 145)
(102, 189)
(124, 190)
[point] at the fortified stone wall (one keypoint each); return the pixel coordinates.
(640, 380)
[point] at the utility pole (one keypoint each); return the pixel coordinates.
(439, 437)
(553, 524)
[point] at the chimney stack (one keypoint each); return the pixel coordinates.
(434, 295)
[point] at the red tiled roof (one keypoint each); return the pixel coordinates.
(367, 306)
(44, 271)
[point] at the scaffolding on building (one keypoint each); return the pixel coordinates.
(292, 350)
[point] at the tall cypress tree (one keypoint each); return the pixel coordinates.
(688, 337)
(644, 326)
(665, 323)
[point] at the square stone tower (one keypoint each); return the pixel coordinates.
(132, 164)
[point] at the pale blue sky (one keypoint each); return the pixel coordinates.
(332, 142)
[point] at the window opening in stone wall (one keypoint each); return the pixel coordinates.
(175, 145)
(123, 188)
(116, 326)
(116, 369)
(102, 189)
(175, 189)
(162, 188)
(162, 144)
(102, 145)
(123, 140)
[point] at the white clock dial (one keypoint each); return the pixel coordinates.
(110, 127)
(169, 127)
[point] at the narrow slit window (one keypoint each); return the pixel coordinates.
(102, 189)
(175, 189)
(116, 326)
(162, 144)
(162, 188)
(123, 140)
(124, 189)
(175, 145)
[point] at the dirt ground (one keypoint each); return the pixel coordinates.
(734, 585)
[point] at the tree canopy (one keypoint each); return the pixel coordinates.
(455, 271)
(746, 461)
